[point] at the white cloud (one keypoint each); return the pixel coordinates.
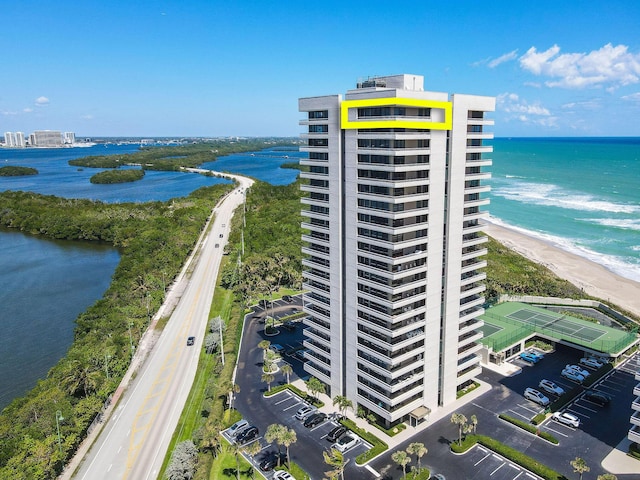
(634, 97)
(7, 113)
(503, 58)
(610, 66)
(594, 104)
(511, 103)
(42, 102)
(27, 110)
(87, 117)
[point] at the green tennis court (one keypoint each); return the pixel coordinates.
(510, 322)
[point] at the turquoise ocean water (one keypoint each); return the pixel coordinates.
(580, 194)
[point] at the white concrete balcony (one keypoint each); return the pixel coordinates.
(476, 203)
(636, 404)
(470, 313)
(469, 350)
(635, 418)
(474, 254)
(471, 327)
(472, 291)
(471, 229)
(480, 149)
(307, 148)
(483, 162)
(313, 188)
(318, 241)
(310, 368)
(478, 277)
(309, 333)
(475, 216)
(469, 375)
(634, 434)
(475, 241)
(477, 176)
(472, 303)
(470, 339)
(314, 176)
(637, 375)
(477, 189)
(310, 322)
(480, 121)
(636, 390)
(320, 348)
(409, 135)
(480, 135)
(473, 266)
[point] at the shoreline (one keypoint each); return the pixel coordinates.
(592, 278)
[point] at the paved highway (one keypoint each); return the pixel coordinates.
(135, 439)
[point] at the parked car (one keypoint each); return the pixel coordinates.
(578, 370)
(314, 419)
(567, 419)
(591, 363)
(336, 433)
(304, 411)
(287, 298)
(572, 375)
(346, 443)
(529, 357)
(247, 435)
(276, 348)
(289, 326)
(264, 303)
(237, 427)
(271, 461)
(283, 475)
(550, 387)
(536, 396)
(300, 354)
(437, 476)
(600, 398)
(191, 341)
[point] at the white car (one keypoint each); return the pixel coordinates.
(567, 419)
(346, 443)
(535, 396)
(304, 411)
(572, 375)
(283, 475)
(550, 387)
(590, 362)
(578, 370)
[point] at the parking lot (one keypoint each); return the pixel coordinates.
(488, 464)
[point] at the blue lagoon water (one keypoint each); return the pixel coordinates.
(580, 194)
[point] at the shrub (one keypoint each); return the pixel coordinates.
(529, 428)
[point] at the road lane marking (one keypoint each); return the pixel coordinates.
(479, 461)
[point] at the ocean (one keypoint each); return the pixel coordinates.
(579, 194)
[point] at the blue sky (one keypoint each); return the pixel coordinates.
(214, 68)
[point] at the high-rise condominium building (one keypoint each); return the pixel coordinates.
(46, 138)
(14, 139)
(393, 243)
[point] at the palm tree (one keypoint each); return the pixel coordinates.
(315, 386)
(474, 423)
(275, 433)
(334, 458)
(579, 466)
(235, 451)
(460, 420)
(287, 370)
(288, 437)
(210, 435)
(235, 388)
(264, 345)
(402, 459)
(343, 404)
(419, 450)
(252, 449)
(268, 378)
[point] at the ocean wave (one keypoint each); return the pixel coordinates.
(555, 196)
(623, 223)
(625, 267)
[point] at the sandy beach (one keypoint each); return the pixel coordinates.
(594, 279)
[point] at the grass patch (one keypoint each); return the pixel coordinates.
(224, 466)
(303, 395)
(529, 428)
(467, 389)
(510, 453)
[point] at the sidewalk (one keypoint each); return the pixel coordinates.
(408, 432)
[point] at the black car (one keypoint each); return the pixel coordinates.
(315, 419)
(264, 303)
(247, 435)
(287, 298)
(600, 398)
(271, 461)
(191, 341)
(289, 326)
(336, 433)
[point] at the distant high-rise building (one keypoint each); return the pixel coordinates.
(69, 138)
(393, 243)
(46, 138)
(20, 140)
(9, 139)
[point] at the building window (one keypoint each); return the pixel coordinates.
(318, 142)
(318, 128)
(318, 114)
(318, 156)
